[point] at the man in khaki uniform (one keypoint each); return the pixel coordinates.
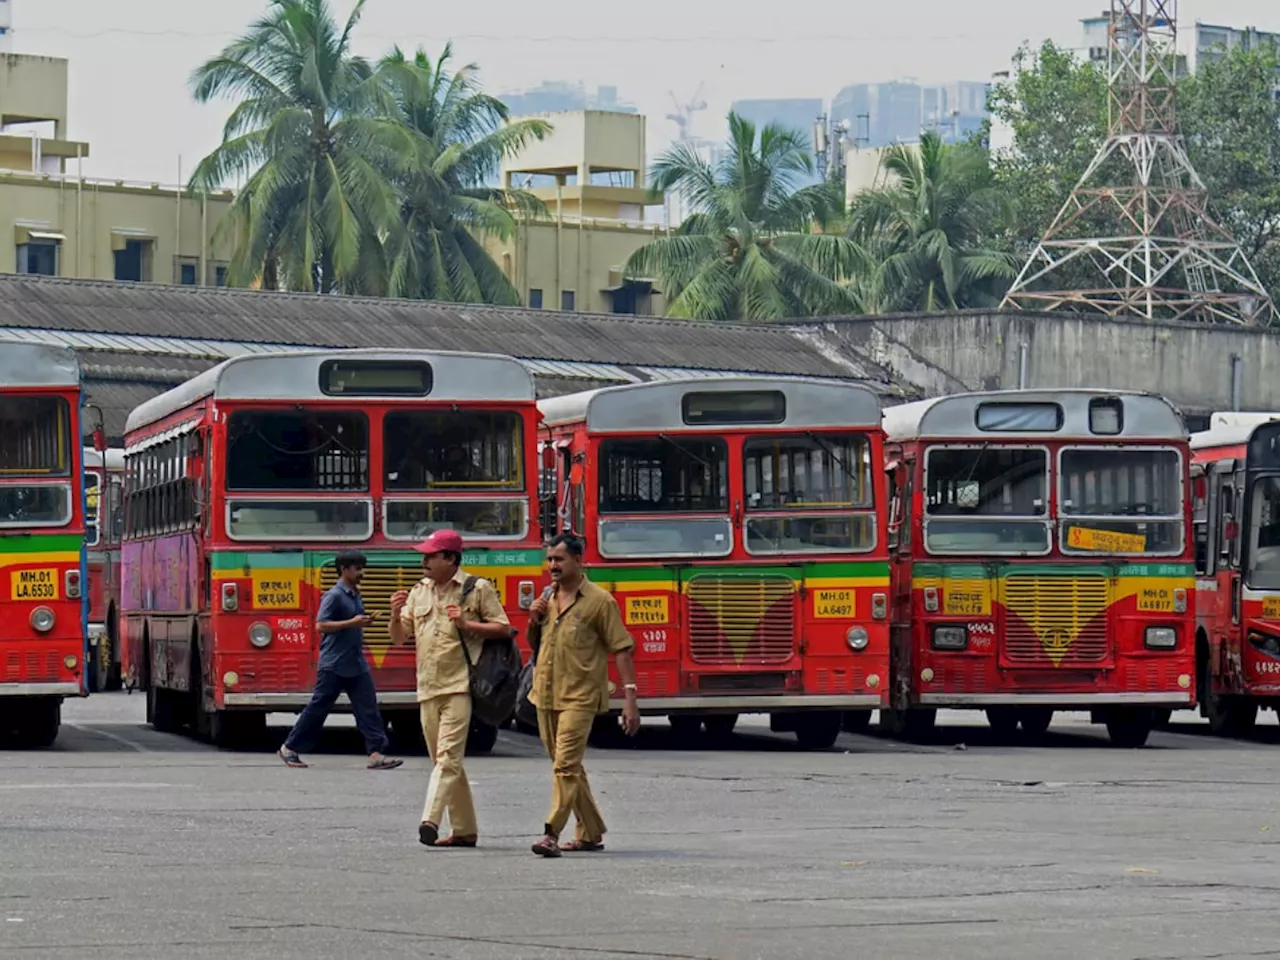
(581, 627)
(435, 617)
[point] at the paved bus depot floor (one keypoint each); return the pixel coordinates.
(121, 842)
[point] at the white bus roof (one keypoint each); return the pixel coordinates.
(296, 376)
(1230, 429)
(955, 417)
(114, 457)
(661, 406)
(38, 365)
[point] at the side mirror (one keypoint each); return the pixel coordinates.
(548, 457)
(1231, 530)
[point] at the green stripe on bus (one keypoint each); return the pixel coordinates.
(41, 543)
(974, 571)
(811, 569)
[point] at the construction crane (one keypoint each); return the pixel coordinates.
(683, 117)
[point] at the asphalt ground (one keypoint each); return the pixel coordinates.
(121, 842)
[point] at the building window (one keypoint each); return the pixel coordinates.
(566, 300)
(220, 276)
(38, 258)
(535, 299)
(187, 274)
(133, 261)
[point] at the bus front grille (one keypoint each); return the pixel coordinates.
(1055, 618)
(741, 619)
(376, 588)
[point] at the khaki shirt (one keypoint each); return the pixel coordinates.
(442, 669)
(573, 661)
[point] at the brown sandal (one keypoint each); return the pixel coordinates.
(582, 846)
(455, 841)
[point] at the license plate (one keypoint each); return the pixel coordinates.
(34, 584)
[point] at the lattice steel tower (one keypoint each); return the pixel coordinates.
(1137, 226)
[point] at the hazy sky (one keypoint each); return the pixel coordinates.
(130, 59)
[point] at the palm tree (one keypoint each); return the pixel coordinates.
(749, 250)
(312, 138)
(925, 231)
(446, 208)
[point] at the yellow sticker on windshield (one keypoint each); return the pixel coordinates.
(1105, 541)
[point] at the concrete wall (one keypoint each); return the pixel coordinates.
(96, 216)
(33, 88)
(1191, 364)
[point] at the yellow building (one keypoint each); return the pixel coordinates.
(55, 221)
(590, 175)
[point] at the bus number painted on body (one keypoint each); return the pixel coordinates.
(653, 641)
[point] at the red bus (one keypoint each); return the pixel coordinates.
(1042, 560)
(104, 526)
(243, 483)
(1237, 526)
(738, 523)
(42, 603)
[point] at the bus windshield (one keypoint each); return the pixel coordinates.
(804, 491)
(1264, 534)
(35, 437)
(989, 500)
(1117, 501)
(92, 508)
(650, 479)
(298, 450)
(450, 450)
(35, 505)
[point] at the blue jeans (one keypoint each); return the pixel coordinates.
(364, 704)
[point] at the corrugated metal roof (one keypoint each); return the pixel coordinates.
(201, 315)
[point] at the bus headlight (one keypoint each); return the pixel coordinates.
(1161, 638)
(260, 635)
(857, 638)
(42, 619)
(950, 638)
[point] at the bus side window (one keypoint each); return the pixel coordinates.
(908, 495)
(115, 510)
(1200, 521)
(895, 507)
(1226, 521)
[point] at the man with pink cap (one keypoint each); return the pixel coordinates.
(437, 617)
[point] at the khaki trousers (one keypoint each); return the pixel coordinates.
(445, 722)
(564, 733)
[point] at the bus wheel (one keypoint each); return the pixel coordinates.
(99, 666)
(161, 712)
(406, 731)
(39, 722)
(1035, 720)
(1130, 728)
(230, 729)
(685, 727)
(481, 738)
(113, 681)
(817, 730)
(911, 725)
(856, 721)
(1162, 718)
(1230, 716)
(720, 726)
(1003, 722)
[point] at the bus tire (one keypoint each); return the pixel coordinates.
(406, 732)
(685, 727)
(235, 729)
(818, 730)
(720, 726)
(912, 725)
(856, 721)
(39, 723)
(1130, 728)
(481, 739)
(1035, 721)
(162, 711)
(1230, 716)
(114, 680)
(1003, 722)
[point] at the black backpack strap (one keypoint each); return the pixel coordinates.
(467, 586)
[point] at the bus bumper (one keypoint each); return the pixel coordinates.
(39, 689)
(1063, 701)
(762, 703)
(285, 702)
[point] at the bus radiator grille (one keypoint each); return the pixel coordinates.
(741, 619)
(376, 588)
(1055, 618)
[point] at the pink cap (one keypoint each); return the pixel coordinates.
(440, 542)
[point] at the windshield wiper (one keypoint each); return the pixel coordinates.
(688, 453)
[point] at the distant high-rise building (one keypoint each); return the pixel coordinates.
(796, 114)
(6, 26)
(880, 114)
(554, 96)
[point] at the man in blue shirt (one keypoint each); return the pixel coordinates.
(341, 620)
